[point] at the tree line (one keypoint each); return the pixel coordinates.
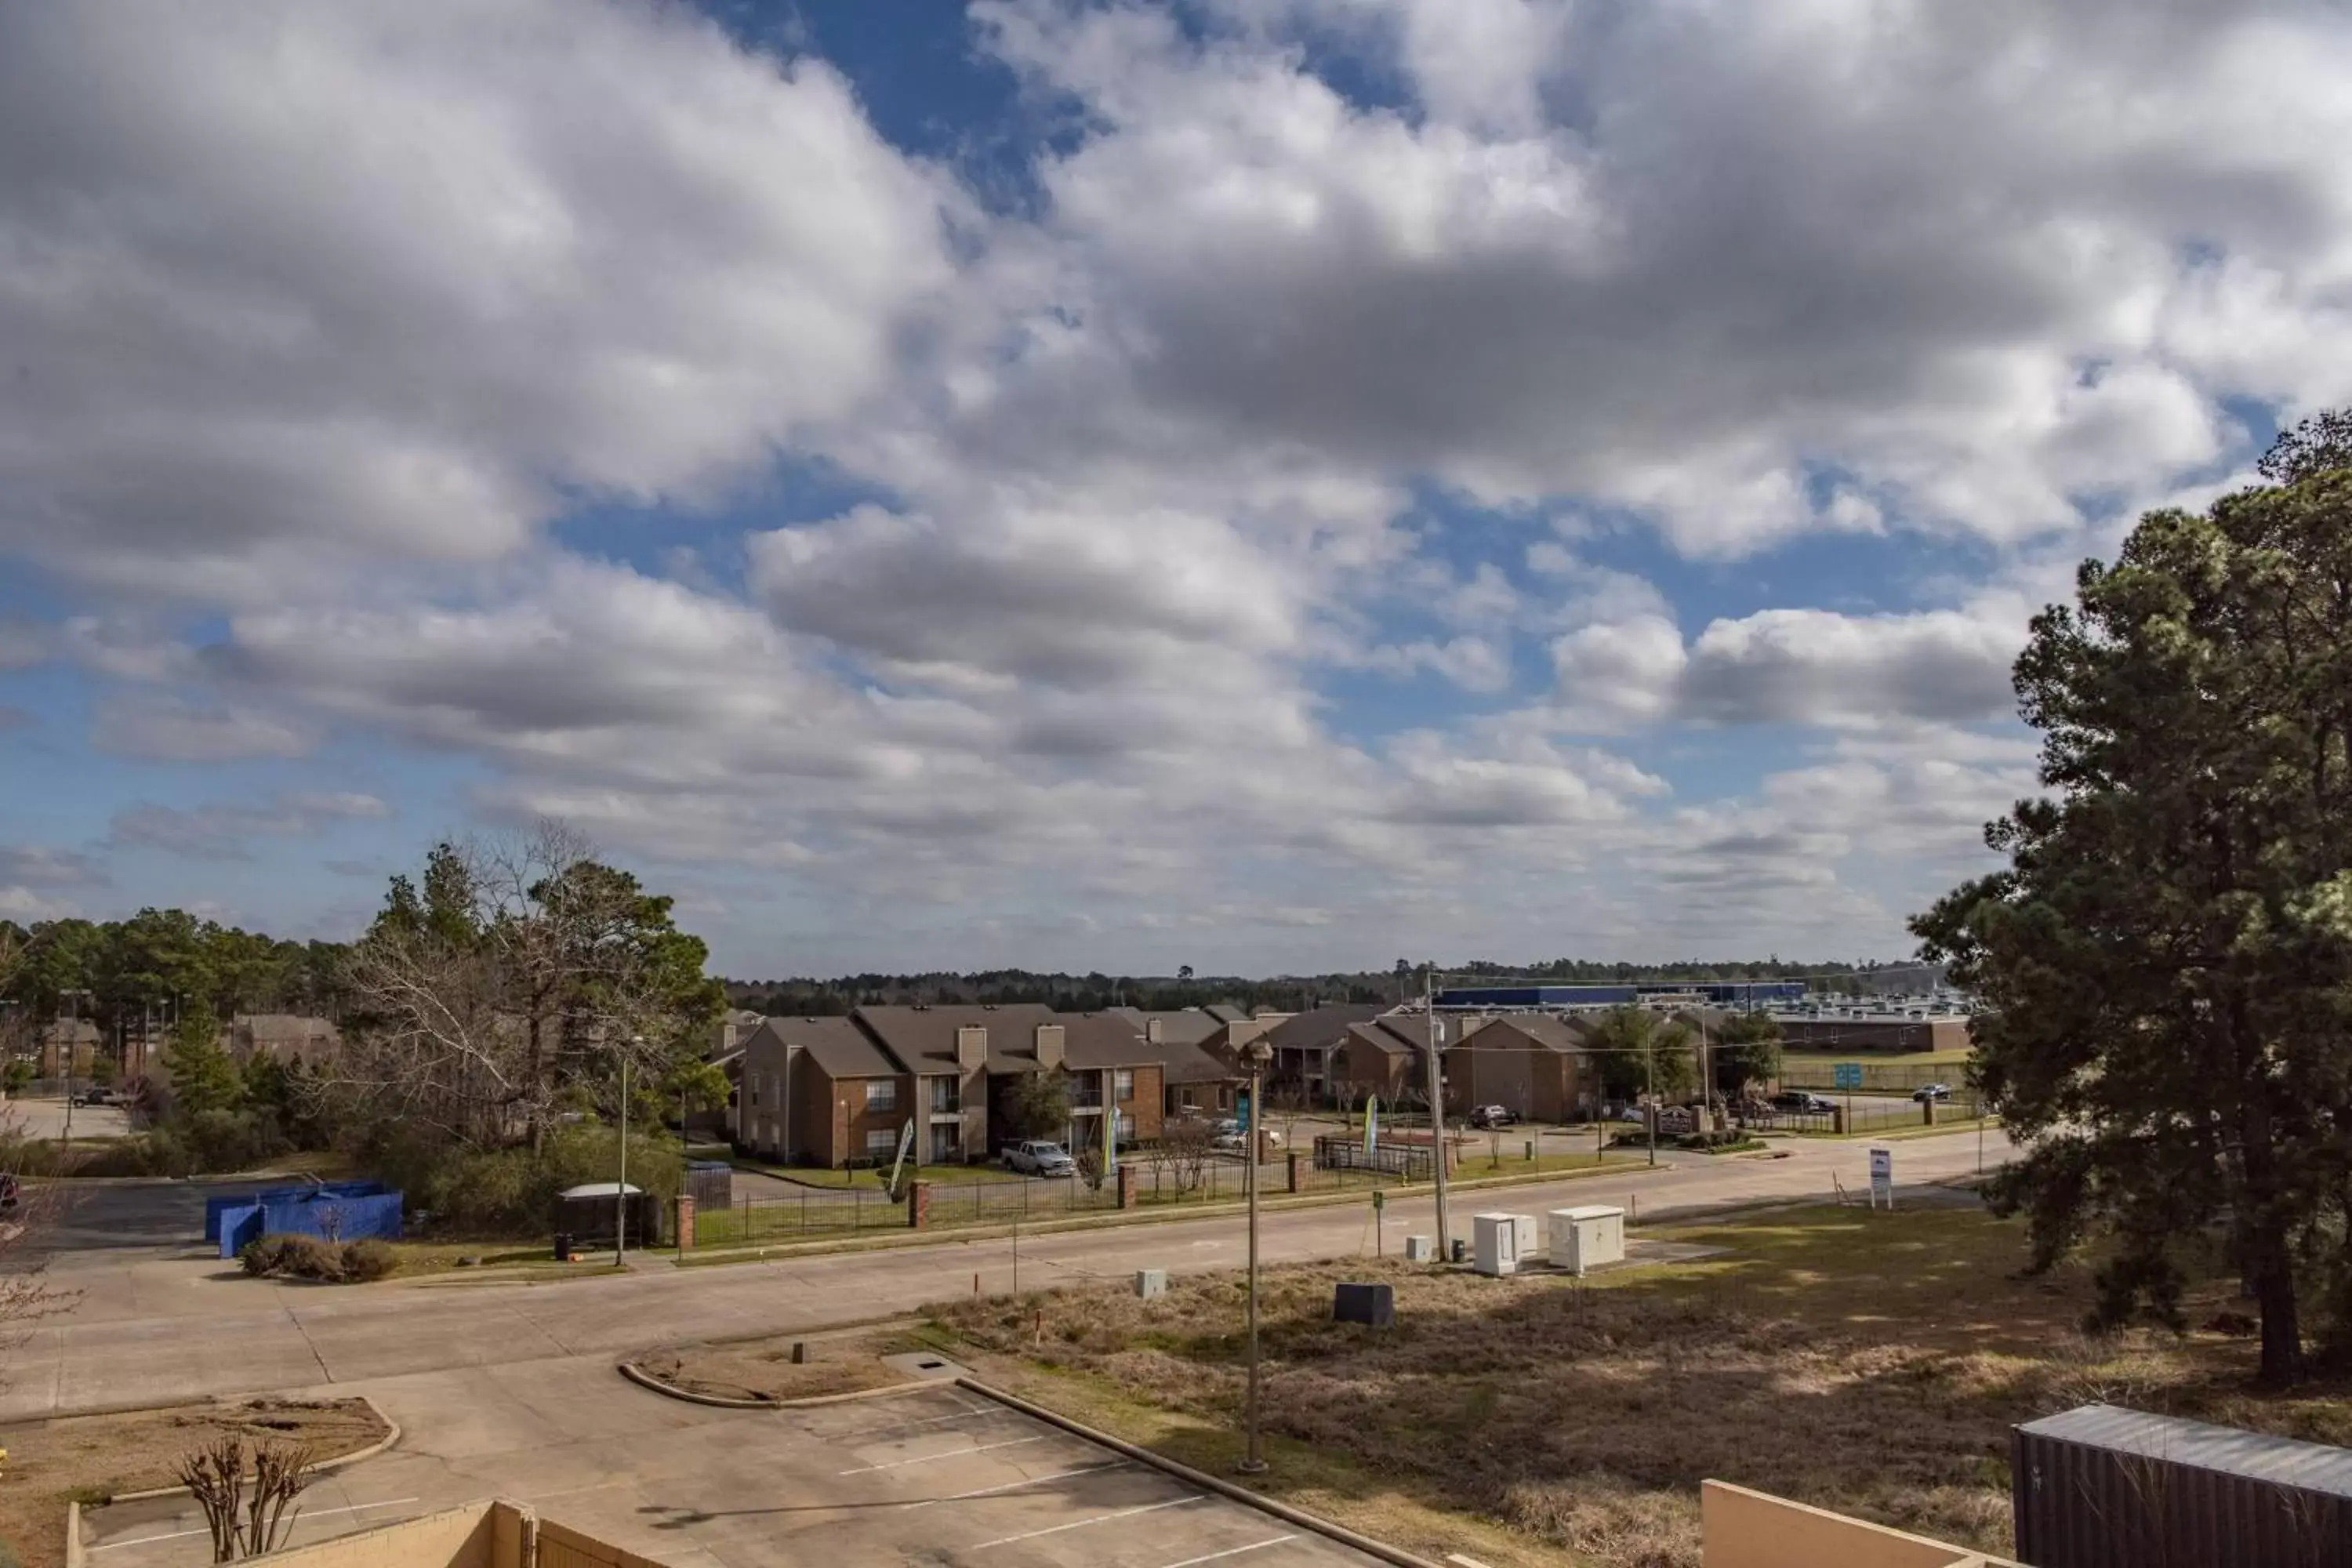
(1093, 992)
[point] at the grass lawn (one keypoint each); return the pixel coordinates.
(438, 1256)
(1868, 1362)
(1792, 1056)
(91, 1459)
(878, 1179)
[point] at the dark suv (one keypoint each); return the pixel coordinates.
(1488, 1115)
(1798, 1102)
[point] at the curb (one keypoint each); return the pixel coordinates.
(645, 1379)
(324, 1467)
(1191, 1477)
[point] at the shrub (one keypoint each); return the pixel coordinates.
(263, 1256)
(368, 1260)
(307, 1258)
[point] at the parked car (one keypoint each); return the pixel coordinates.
(1798, 1102)
(96, 1097)
(1932, 1091)
(1038, 1157)
(1491, 1116)
(1631, 1113)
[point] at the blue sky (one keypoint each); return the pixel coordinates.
(1262, 486)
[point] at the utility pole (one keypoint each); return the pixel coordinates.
(1436, 1107)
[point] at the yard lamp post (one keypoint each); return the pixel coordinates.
(1256, 1054)
(621, 1194)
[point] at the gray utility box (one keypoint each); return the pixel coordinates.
(2103, 1486)
(1150, 1283)
(1501, 1242)
(1420, 1249)
(1371, 1304)
(1583, 1239)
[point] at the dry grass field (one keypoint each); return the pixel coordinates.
(1870, 1363)
(764, 1368)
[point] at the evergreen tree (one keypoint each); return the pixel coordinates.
(2164, 967)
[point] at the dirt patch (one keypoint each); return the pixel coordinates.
(94, 1458)
(764, 1369)
(1872, 1364)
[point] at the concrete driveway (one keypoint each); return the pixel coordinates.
(939, 1475)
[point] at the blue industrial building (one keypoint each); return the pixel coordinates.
(1740, 993)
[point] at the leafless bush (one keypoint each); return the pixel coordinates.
(248, 1503)
(1186, 1148)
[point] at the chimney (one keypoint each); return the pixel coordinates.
(1049, 1044)
(971, 1047)
(1151, 1030)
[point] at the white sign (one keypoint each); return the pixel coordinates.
(1882, 1177)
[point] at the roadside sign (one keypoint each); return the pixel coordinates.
(1242, 1109)
(1372, 1125)
(1847, 1075)
(1882, 1177)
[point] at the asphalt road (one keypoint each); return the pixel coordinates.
(147, 1327)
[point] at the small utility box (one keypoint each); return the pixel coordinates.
(1373, 1305)
(1420, 1249)
(1583, 1239)
(1150, 1283)
(1495, 1243)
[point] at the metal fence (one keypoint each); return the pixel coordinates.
(1160, 1183)
(1868, 1115)
(1877, 1078)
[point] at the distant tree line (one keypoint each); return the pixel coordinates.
(1283, 993)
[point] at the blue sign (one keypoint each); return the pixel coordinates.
(1242, 1114)
(1847, 1075)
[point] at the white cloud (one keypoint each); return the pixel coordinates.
(224, 830)
(317, 317)
(160, 727)
(288, 280)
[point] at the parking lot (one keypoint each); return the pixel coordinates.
(939, 1475)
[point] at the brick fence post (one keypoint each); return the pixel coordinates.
(1929, 1106)
(918, 1206)
(685, 1202)
(1837, 1120)
(1127, 1186)
(1290, 1163)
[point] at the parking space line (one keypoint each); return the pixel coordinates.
(309, 1513)
(951, 1454)
(1082, 1523)
(1233, 1551)
(874, 1432)
(1023, 1481)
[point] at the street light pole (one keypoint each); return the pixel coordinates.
(1436, 1109)
(1253, 1454)
(621, 1196)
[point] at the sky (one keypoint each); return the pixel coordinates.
(1265, 485)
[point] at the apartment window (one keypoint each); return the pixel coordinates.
(946, 1145)
(1086, 1091)
(947, 1096)
(881, 1143)
(1123, 1084)
(1126, 1133)
(881, 1094)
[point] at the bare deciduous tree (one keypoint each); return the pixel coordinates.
(247, 1503)
(522, 971)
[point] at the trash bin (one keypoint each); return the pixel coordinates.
(563, 1246)
(1461, 1250)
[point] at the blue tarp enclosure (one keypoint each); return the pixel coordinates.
(313, 1211)
(216, 1207)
